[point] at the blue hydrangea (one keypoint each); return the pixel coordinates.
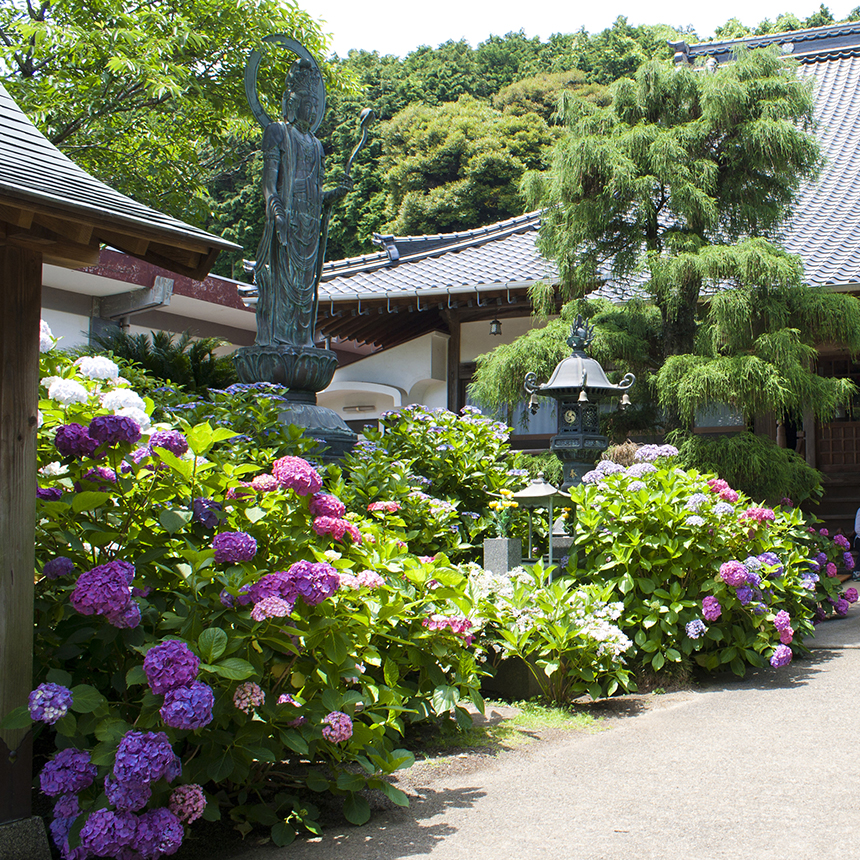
(49, 702)
(695, 521)
(696, 628)
(142, 757)
(188, 707)
(695, 501)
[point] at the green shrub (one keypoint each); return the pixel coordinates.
(660, 537)
(310, 690)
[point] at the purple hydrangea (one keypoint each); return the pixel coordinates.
(104, 590)
(126, 798)
(696, 501)
(188, 707)
(723, 508)
(128, 619)
(711, 608)
(848, 561)
(187, 802)
(205, 512)
(745, 595)
(49, 494)
(227, 599)
(106, 832)
(159, 832)
(781, 656)
(649, 453)
(271, 607)
(841, 607)
(73, 440)
(297, 474)
(49, 702)
(57, 567)
(172, 440)
(114, 429)
(233, 547)
(100, 475)
(841, 541)
(312, 581)
(851, 595)
(337, 727)
(696, 628)
(324, 505)
(142, 757)
(733, 573)
(68, 772)
(170, 664)
(771, 559)
(248, 696)
(67, 806)
(782, 620)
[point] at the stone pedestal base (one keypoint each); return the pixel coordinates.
(324, 425)
(24, 839)
(304, 368)
(502, 554)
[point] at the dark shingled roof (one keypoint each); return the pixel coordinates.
(37, 177)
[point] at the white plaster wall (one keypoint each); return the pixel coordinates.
(72, 329)
(475, 337)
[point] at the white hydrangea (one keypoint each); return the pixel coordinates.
(54, 469)
(46, 337)
(123, 398)
(97, 367)
(67, 392)
(137, 415)
(39, 419)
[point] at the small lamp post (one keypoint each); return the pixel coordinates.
(577, 384)
(540, 494)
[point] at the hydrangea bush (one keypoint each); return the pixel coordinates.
(212, 637)
(567, 633)
(443, 470)
(702, 571)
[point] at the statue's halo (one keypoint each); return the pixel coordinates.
(253, 66)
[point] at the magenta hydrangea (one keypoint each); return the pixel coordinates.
(49, 702)
(68, 772)
(831, 569)
(456, 624)
(233, 547)
(187, 802)
(104, 590)
(114, 429)
(760, 515)
(841, 541)
(711, 608)
(126, 798)
(159, 832)
(324, 505)
(106, 833)
(337, 727)
(170, 664)
(782, 620)
(312, 581)
(297, 474)
(188, 707)
(733, 573)
(143, 757)
(781, 656)
(73, 440)
(265, 483)
(171, 440)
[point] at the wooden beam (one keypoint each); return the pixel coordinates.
(137, 246)
(20, 309)
(452, 318)
(78, 232)
(16, 216)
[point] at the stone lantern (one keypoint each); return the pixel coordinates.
(577, 384)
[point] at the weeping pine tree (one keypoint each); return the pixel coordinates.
(679, 188)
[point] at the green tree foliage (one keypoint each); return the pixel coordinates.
(540, 94)
(458, 165)
(146, 96)
(658, 187)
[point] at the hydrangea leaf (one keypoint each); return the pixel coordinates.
(212, 643)
(85, 699)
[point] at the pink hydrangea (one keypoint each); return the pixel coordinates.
(717, 485)
(248, 696)
(782, 621)
(265, 483)
(187, 802)
(387, 507)
(733, 573)
(297, 474)
(325, 505)
(760, 515)
(785, 636)
(271, 607)
(729, 495)
(456, 624)
(337, 727)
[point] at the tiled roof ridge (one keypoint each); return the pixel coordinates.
(435, 246)
(809, 51)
